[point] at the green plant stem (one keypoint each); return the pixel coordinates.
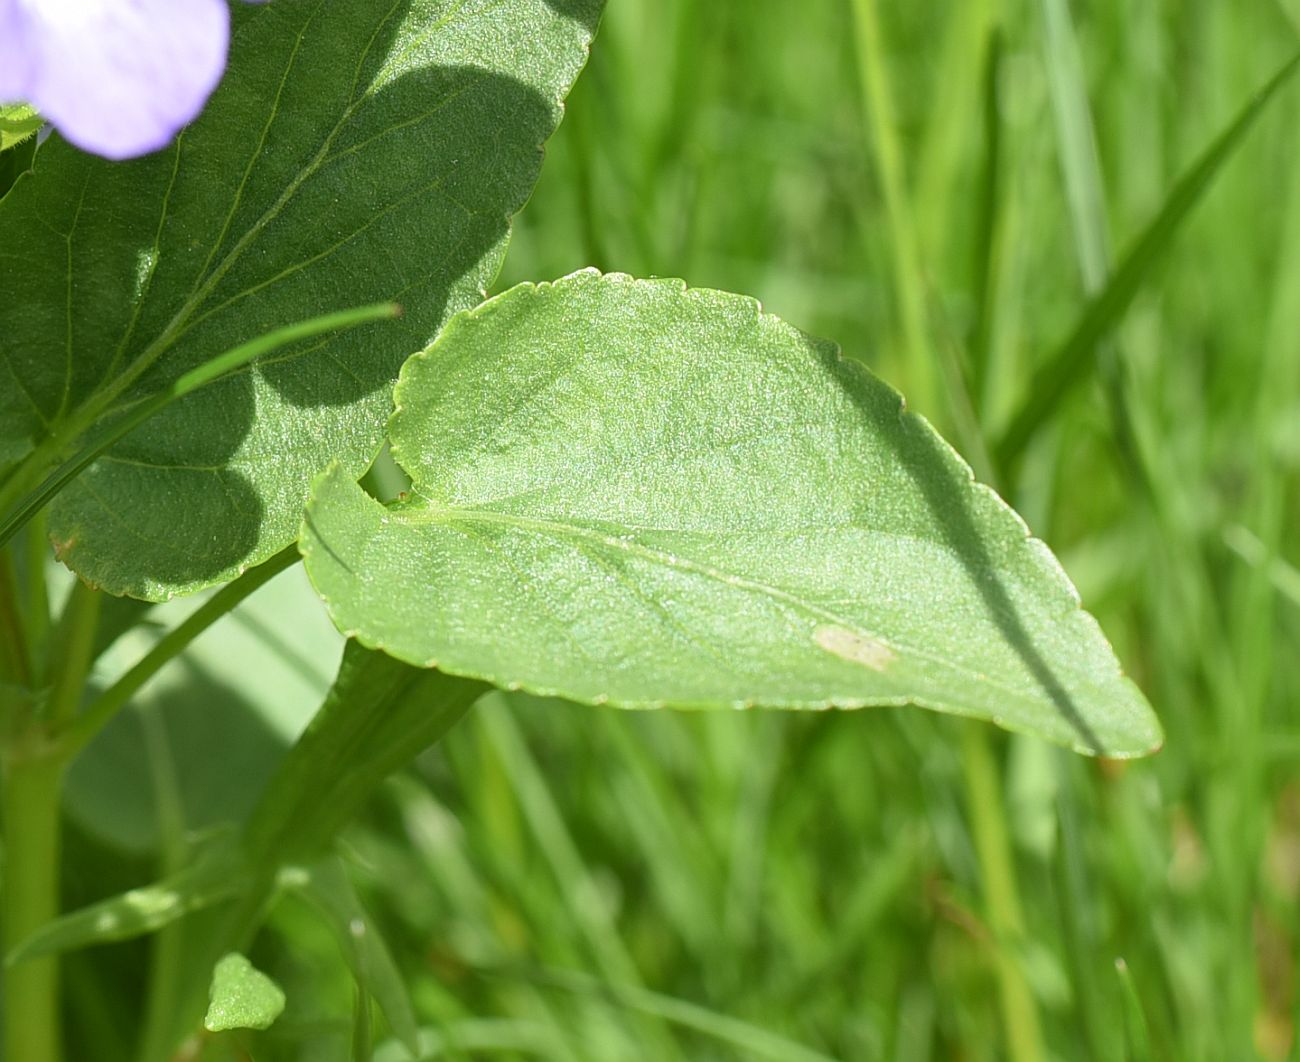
(37, 610)
(31, 808)
(79, 731)
(15, 664)
(167, 954)
(166, 963)
(69, 666)
(379, 715)
(32, 804)
(1001, 898)
(32, 786)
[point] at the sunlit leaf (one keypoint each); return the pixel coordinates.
(18, 121)
(632, 493)
(241, 996)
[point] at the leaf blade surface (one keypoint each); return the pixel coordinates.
(368, 146)
(634, 493)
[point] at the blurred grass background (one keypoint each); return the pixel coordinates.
(938, 185)
(817, 876)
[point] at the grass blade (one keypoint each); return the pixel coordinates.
(376, 975)
(1073, 361)
(1077, 144)
(887, 154)
(754, 1041)
(1135, 1022)
(214, 877)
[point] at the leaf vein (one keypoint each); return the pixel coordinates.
(68, 241)
(272, 113)
(527, 589)
(143, 294)
(656, 556)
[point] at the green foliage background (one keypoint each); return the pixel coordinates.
(565, 882)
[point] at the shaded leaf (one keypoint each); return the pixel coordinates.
(14, 162)
(220, 748)
(223, 730)
(354, 152)
(632, 493)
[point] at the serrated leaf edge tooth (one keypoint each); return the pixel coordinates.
(1046, 561)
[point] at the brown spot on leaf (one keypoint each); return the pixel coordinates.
(63, 546)
(855, 648)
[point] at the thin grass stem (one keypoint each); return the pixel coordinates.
(909, 282)
(79, 731)
(1001, 895)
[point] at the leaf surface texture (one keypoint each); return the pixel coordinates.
(355, 152)
(634, 493)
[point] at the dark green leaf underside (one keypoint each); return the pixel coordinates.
(633, 493)
(355, 152)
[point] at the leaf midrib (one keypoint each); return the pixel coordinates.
(450, 515)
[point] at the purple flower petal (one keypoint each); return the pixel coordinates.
(15, 55)
(116, 77)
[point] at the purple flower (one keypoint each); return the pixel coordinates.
(116, 77)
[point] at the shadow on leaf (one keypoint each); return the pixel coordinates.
(410, 201)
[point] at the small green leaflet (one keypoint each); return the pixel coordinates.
(354, 152)
(18, 121)
(632, 493)
(241, 996)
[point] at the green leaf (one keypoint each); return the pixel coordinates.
(18, 121)
(14, 162)
(631, 493)
(219, 748)
(241, 996)
(354, 152)
(227, 364)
